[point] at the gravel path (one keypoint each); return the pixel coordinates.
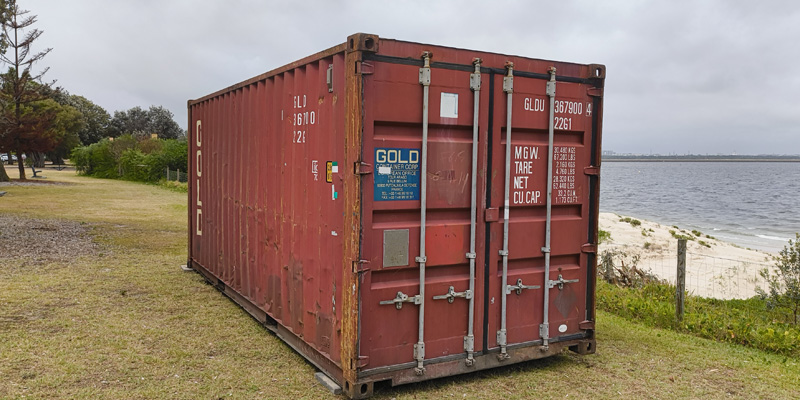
(33, 183)
(41, 240)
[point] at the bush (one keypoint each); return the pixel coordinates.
(126, 157)
(133, 167)
(634, 222)
(96, 160)
(783, 285)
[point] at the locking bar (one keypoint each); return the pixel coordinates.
(402, 298)
(425, 81)
(560, 282)
(451, 295)
(508, 88)
(475, 86)
(544, 328)
(519, 287)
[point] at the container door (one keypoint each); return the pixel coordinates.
(393, 195)
(542, 295)
(418, 166)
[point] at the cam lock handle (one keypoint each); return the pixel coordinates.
(519, 287)
(451, 295)
(402, 298)
(560, 282)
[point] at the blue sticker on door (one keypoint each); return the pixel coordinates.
(396, 174)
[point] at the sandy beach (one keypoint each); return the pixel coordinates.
(714, 268)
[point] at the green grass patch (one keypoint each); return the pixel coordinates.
(745, 322)
(176, 186)
(127, 323)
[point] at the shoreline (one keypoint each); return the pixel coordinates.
(715, 268)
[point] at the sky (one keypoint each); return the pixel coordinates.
(701, 77)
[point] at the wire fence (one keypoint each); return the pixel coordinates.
(706, 276)
(176, 175)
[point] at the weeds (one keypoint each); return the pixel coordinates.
(603, 236)
(632, 293)
(634, 222)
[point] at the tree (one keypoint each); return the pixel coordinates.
(3, 46)
(139, 122)
(69, 123)
(163, 123)
(95, 119)
(783, 285)
(21, 88)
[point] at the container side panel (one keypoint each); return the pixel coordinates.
(268, 222)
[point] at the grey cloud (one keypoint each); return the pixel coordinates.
(703, 76)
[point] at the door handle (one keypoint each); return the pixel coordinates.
(402, 298)
(451, 295)
(519, 287)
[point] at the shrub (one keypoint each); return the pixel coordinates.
(96, 159)
(133, 167)
(144, 159)
(783, 285)
(603, 236)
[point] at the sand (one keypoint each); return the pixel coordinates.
(714, 268)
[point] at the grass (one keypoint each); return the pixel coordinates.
(128, 323)
(746, 322)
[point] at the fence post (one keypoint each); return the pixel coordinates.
(167, 173)
(608, 265)
(680, 280)
(178, 178)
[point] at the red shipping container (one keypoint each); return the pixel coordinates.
(365, 204)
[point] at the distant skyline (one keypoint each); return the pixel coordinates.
(713, 76)
(608, 152)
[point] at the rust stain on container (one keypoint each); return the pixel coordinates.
(306, 207)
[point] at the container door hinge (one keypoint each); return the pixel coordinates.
(591, 170)
(360, 266)
(363, 361)
(364, 68)
(491, 215)
(595, 92)
(589, 248)
(362, 168)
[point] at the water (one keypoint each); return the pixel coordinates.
(752, 204)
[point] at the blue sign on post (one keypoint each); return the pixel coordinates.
(396, 174)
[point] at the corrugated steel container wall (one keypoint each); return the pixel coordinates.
(306, 196)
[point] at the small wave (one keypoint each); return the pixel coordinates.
(773, 238)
